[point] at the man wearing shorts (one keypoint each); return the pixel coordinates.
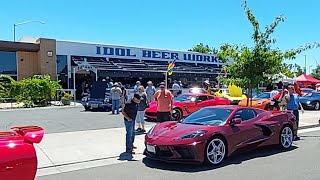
(164, 99)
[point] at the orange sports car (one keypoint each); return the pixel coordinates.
(262, 101)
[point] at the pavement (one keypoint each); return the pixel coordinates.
(76, 140)
(301, 162)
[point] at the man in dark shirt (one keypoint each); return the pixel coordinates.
(129, 114)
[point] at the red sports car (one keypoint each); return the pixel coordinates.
(18, 159)
(186, 104)
(213, 133)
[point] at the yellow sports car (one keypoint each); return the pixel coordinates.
(233, 93)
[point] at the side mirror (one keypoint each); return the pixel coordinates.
(235, 121)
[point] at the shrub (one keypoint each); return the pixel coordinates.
(6, 86)
(36, 91)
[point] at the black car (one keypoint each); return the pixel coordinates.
(99, 98)
(311, 100)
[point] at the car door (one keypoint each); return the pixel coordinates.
(246, 133)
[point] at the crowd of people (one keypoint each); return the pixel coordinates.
(134, 110)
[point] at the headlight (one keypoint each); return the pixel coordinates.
(84, 99)
(150, 131)
(106, 99)
(192, 135)
(308, 102)
(259, 103)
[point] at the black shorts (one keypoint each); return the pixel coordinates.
(163, 116)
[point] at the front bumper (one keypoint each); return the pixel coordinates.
(193, 154)
(96, 105)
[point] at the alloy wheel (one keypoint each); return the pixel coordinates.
(317, 106)
(216, 151)
(286, 137)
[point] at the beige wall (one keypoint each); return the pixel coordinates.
(34, 63)
(27, 64)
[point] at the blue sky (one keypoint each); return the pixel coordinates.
(167, 24)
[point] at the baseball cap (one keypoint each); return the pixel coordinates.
(137, 96)
(162, 85)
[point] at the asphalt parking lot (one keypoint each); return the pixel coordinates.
(70, 119)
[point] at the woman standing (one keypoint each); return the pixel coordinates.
(141, 109)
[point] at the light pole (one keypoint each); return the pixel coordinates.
(22, 23)
(305, 64)
(74, 86)
(310, 69)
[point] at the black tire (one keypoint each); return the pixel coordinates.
(286, 137)
(317, 105)
(209, 148)
(86, 108)
(176, 114)
(268, 107)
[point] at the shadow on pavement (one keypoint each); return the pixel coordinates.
(126, 157)
(236, 159)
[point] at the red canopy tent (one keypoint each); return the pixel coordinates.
(307, 79)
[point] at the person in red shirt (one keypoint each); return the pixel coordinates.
(164, 99)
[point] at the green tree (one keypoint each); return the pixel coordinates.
(252, 65)
(316, 72)
(201, 49)
(298, 70)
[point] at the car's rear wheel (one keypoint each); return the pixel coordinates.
(215, 151)
(176, 114)
(286, 137)
(316, 106)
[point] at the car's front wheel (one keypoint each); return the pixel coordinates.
(286, 137)
(215, 151)
(316, 106)
(176, 114)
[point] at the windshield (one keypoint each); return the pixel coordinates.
(311, 94)
(263, 96)
(208, 116)
(186, 98)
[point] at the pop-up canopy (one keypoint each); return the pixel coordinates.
(307, 79)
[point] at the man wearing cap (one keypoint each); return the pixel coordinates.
(129, 113)
(115, 96)
(150, 90)
(164, 99)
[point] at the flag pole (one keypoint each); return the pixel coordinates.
(166, 79)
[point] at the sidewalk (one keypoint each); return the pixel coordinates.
(60, 152)
(16, 106)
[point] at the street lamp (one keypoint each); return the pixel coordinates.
(310, 69)
(22, 23)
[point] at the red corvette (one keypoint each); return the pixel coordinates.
(213, 133)
(186, 104)
(18, 159)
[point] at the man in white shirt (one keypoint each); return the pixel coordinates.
(175, 88)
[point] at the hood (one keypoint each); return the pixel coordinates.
(304, 99)
(173, 130)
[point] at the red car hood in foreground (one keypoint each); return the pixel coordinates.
(18, 159)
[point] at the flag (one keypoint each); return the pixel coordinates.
(170, 68)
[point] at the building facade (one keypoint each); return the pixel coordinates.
(95, 62)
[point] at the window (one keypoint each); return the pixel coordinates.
(202, 98)
(8, 63)
(185, 98)
(245, 114)
(208, 116)
(62, 64)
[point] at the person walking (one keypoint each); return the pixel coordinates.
(150, 90)
(294, 104)
(141, 110)
(164, 99)
(115, 96)
(129, 113)
(175, 88)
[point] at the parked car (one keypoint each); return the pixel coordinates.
(99, 98)
(262, 101)
(186, 104)
(213, 133)
(311, 100)
(234, 100)
(18, 158)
